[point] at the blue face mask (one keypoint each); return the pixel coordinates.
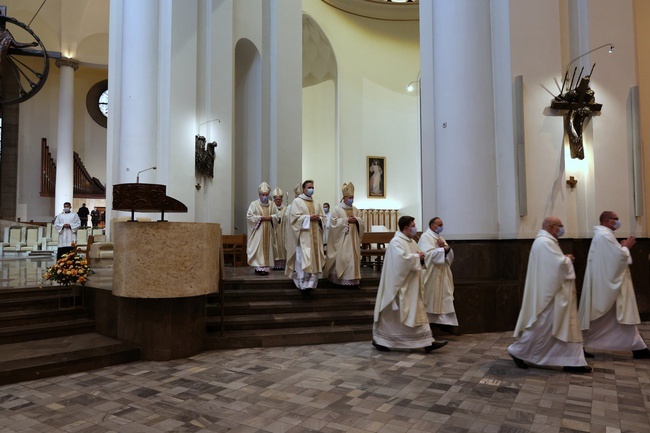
(66, 209)
(560, 232)
(349, 201)
(310, 192)
(264, 199)
(617, 225)
(438, 230)
(414, 231)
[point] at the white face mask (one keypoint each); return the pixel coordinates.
(617, 225)
(560, 233)
(66, 209)
(414, 231)
(326, 210)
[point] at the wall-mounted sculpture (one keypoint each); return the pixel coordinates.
(578, 105)
(204, 156)
(22, 78)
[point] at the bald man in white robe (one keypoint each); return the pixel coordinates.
(608, 311)
(547, 329)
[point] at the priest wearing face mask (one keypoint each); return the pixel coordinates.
(437, 278)
(305, 257)
(343, 263)
(608, 311)
(547, 328)
(262, 216)
(400, 320)
(66, 224)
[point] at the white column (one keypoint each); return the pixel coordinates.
(133, 77)
(285, 92)
(65, 145)
(139, 90)
(459, 71)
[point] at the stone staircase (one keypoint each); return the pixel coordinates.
(274, 313)
(47, 331)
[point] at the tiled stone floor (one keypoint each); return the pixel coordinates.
(470, 385)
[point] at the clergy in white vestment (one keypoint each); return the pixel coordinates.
(305, 256)
(400, 319)
(548, 331)
(66, 223)
(438, 280)
(608, 312)
(288, 233)
(343, 263)
(261, 217)
(328, 216)
(280, 251)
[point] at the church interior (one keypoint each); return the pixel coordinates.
(489, 114)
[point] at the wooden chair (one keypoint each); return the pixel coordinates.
(234, 249)
(373, 248)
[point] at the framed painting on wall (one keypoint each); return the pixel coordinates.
(376, 176)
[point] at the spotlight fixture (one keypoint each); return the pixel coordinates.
(411, 86)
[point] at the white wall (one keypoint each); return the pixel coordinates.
(545, 36)
(376, 114)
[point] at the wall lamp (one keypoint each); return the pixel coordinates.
(566, 72)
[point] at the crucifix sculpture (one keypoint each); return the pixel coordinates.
(577, 104)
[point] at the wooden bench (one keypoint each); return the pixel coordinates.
(234, 249)
(373, 246)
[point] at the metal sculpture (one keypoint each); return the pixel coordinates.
(204, 156)
(21, 78)
(578, 104)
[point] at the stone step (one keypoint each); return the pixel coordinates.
(40, 302)
(292, 320)
(33, 317)
(39, 331)
(63, 355)
(292, 305)
(305, 335)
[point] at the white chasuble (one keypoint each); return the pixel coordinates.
(344, 246)
(401, 282)
(260, 247)
(550, 279)
(607, 281)
(438, 281)
(305, 237)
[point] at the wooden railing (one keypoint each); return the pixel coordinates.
(84, 185)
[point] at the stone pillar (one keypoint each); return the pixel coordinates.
(152, 76)
(65, 143)
(459, 145)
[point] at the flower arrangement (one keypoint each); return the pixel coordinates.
(70, 269)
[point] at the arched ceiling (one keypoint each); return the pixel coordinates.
(395, 10)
